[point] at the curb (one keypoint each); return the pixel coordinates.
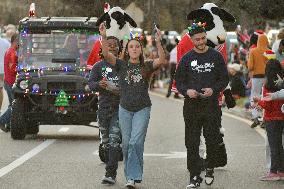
(235, 111)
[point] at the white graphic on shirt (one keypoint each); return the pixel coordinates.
(202, 68)
(108, 74)
(108, 69)
(133, 76)
(193, 63)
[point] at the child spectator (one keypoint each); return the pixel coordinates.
(274, 121)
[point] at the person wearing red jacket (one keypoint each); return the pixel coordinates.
(10, 64)
(274, 121)
(94, 55)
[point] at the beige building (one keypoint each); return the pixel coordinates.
(136, 13)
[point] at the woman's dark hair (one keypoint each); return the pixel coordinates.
(272, 69)
(253, 39)
(146, 73)
(197, 30)
(281, 42)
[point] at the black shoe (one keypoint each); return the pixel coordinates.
(194, 182)
(209, 176)
(4, 128)
(168, 95)
(262, 125)
(108, 180)
(255, 123)
(176, 96)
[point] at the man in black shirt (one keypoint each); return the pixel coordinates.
(200, 77)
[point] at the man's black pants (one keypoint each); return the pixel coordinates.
(204, 114)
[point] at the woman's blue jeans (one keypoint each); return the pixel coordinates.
(133, 126)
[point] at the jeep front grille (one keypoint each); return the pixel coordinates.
(57, 86)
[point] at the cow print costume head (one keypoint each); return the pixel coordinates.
(117, 23)
(214, 17)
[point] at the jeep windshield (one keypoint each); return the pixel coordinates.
(56, 49)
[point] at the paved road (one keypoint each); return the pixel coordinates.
(65, 156)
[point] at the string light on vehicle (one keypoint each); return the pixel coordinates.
(35, 88)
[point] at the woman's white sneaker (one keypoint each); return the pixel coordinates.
(130, 184)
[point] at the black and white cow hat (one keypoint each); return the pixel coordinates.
(214, 18)
(117, 23)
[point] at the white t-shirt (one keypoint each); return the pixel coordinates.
(173, 55)
(275, 45)
(4, 45)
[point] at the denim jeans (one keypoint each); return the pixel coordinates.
(274, 131)
(133, 126)
(6, 116)
(110, 136)
(256, 87)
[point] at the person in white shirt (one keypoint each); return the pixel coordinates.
(173, 63)
(4, 45)
(280, 36)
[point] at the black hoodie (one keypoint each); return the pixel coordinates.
(99, 71)
(202, 70)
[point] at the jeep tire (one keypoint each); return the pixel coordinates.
(18, 120)
(32, 129)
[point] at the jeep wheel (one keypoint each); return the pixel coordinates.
(18, 120)
(32, 129)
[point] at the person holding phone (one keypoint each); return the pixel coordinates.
(135, 105)
(200, 77)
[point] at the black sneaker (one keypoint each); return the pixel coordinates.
(262, 125)
(4, 128)
(108, 180)
(176, 96)
(209, 176)
(255, 123)
(194, 182)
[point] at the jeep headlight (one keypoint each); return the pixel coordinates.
(24, 84)
(87, 88)
(35, 87)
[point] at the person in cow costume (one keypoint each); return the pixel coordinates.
(209, 17)
(104, 79)
(213, 16)
(117, 25)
